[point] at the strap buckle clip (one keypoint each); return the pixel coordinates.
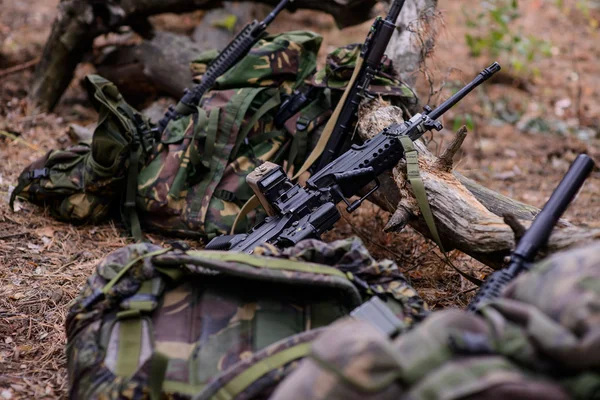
(38, 173)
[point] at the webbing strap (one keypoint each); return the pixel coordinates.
(267, 262)
(131, 332)
(238, 384)
(265, 108)
(250, 205)
(126, 268)
(211, 133)
(130, 193)
(200, 125)
(414, 177)
(318, 150)
(158, 369)
(130, 346)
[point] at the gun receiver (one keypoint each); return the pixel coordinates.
(230, 56)
(297, 213)
(372, 52)
(538, 233)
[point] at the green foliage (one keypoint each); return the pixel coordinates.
(493, 32)
(466, 120)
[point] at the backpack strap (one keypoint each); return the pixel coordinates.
(273, 102)
(320, 147)
(241, 378)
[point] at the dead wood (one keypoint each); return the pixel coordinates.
(80, 21)
(469, 217)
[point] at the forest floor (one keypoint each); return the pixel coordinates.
(525, 130)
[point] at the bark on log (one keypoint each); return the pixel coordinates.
(414, 38)
(79, 21)
(468, 216)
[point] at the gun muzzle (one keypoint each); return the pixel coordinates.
(539, 231)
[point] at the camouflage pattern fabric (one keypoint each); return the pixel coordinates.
(195, 185)
(538, 341)
(338, 70)
(192, 179)
(283, 61)
(216, 318)
(82, 183)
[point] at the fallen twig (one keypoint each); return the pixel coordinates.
(20, 67)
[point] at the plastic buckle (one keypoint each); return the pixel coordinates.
(302, 123)
(38, 173)
(379, 315)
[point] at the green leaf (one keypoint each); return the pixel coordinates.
(457, 123)
(469, 122)
(228, 22)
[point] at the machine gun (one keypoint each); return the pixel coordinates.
(368, 65)
(538, 233)
(226, 59)
(297, 213)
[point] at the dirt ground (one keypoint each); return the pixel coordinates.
(44, 263)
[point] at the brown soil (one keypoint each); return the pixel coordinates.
(44, 263)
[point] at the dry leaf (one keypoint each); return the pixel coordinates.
(47, 231)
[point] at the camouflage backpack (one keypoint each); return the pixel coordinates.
(539, 341)
(174, 323)
(195, 184)
(84, 182)
(190, 181)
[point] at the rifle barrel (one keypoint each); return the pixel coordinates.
(394, 11)
(282, 4)
(541, 227)
(458, 96)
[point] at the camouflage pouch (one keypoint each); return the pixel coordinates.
(156, 323)
(353, 360)
(82, 183)
(537, 342)
(339, 67)
(549, 320)
(195, 185)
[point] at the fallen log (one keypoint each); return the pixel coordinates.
(78, 22)
(468, 216)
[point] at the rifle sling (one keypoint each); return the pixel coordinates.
(418, 188)
(326, 134)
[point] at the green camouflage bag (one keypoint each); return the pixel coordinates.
(539, 341)
(174, 323)
(195, 185)
(82, 183)
(340, 65)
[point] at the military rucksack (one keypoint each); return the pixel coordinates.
(190, 181)
(85, 182)
(216, 325)
(195, 184)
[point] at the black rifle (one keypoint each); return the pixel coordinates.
(372, 52)
(538, 233)
(226, 59)
(297, 213)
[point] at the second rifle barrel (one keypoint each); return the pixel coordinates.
(458, 96)
(539, 231)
